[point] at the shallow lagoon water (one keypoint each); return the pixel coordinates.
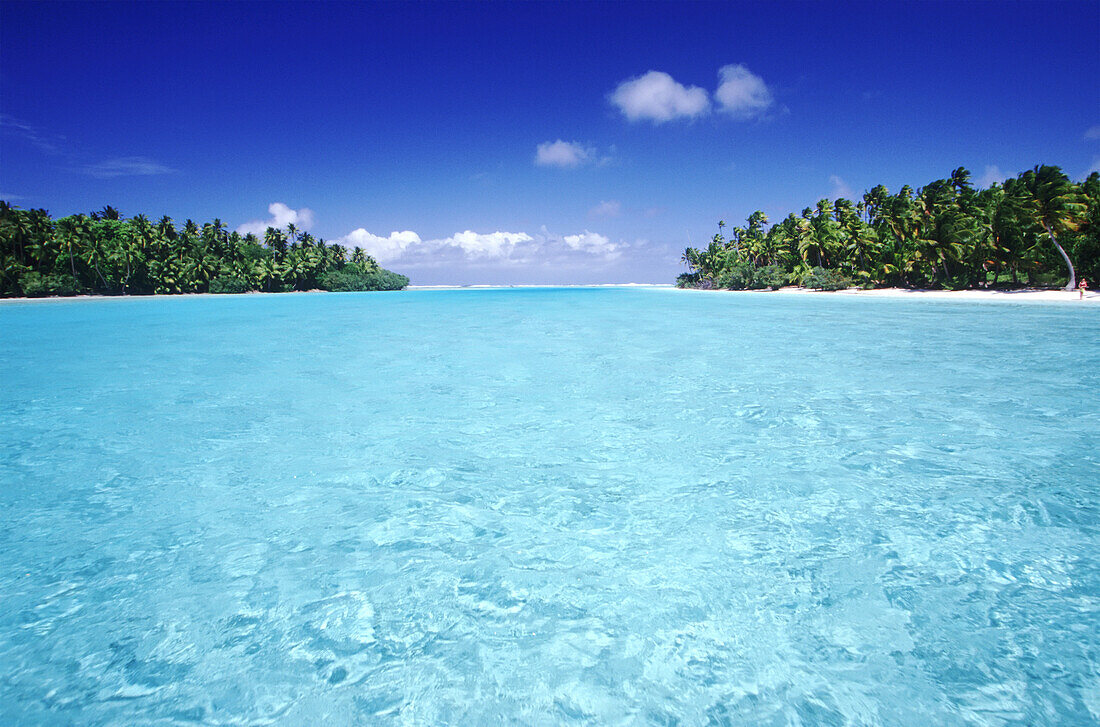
(549, 506)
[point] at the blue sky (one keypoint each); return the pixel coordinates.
(442, 122)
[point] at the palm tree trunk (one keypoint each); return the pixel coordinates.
(1072, 275)
(99, 274)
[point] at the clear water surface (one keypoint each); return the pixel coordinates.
(549, 506)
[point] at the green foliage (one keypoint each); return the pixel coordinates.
(736, 276)
(36, 285)
(352, 278)
(229, 284)
(769, 276)
(822, 279)
(105, 254)
(687, 280)
(1038, 228)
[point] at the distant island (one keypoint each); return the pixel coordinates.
(1037, 229)
(105, 254)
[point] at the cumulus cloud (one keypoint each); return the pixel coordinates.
(658, 97)
(125, 167)
(564, 154)
(492, 244)
(1093, 132)
(592, 242)
(991, 175)
(281, 216)
(610, 208)
(741, 93)
(499, 248)
(382, 249)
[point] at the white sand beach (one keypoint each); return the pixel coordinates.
(1026, 295)
(1016, 296)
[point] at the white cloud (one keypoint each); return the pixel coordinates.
(840, 187)
(44, 141)
(492, 244)
(992, 175)
(477, 248)
(610, 208)
(500, 248)
(658, 97)
(1094, 168)
(281, 216)
(564, 154)
(592, 242)
(1093, 132)
(382, 249)
(125, 167)
(741, 93)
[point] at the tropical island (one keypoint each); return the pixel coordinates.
(1037, 229)
(104, 254)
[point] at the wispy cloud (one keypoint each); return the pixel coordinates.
(741, 93)
(1093, 132)
(609, 208)
(10, 197)
(125, 167)
(564, 154)
(42, 140)
(992, 175)
(658, 97)
(281, 216)
(840, 187)
(75, 161)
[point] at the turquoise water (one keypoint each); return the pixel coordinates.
(549, 506)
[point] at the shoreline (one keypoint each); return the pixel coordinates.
(1022, 295)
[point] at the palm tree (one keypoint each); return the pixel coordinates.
(1054, 204)
(275, 239)
(960, 180)
(824, 234)
(167, 228)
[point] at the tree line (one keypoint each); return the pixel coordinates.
(103, 253)
(1038, 228)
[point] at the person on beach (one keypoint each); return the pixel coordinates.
(1082, 287)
